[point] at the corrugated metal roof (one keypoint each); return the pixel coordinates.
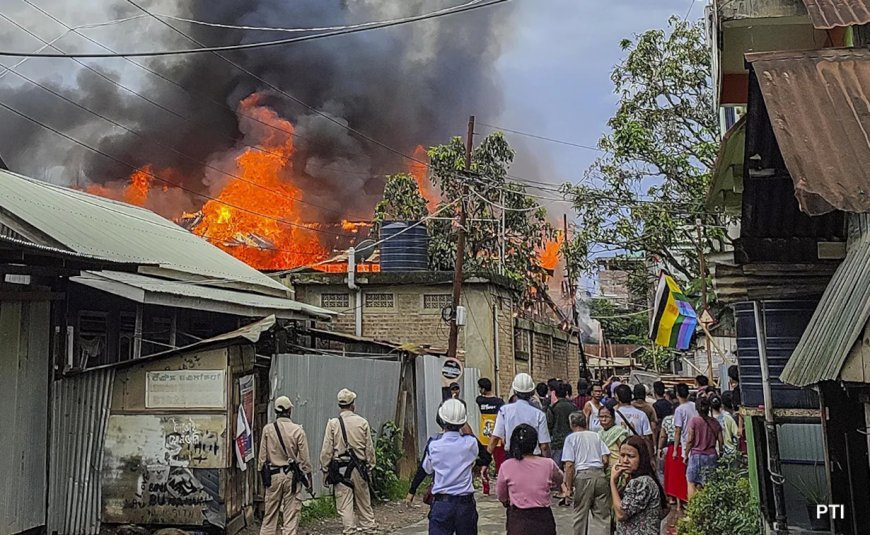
(182, 294)
(819, 106)
(837, 322)
(827, 14)
(98, 227)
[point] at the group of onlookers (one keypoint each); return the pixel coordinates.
(621, 459)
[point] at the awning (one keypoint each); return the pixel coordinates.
(179, 294)
(837, 323)
(727, 187)
(819, 106)
(827, 14)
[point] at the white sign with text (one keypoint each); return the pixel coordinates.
(186, 389)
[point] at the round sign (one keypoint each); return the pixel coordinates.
(451, 370)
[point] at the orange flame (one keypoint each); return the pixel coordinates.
(134, 192)
(549, 255)
(256, 220)
(420, 172)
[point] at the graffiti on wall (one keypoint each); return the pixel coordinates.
(162, 469)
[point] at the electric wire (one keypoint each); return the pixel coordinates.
(256, 45)
(301, 30)
(542, 138)
(168, 182)
(173, 113)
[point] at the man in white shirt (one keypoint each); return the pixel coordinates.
(682, 416)
(520, 412)
(585, 456)
(631, 418)
(450, 458)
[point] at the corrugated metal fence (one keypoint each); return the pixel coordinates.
(80, 411)
(312, 382)
(24, 361)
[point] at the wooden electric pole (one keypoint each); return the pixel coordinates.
(452, 342)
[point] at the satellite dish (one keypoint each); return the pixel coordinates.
(364, 250)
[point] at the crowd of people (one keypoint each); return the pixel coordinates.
(622, 457)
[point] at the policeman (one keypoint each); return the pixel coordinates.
(346, 458)
(451, 458)
(284, 447)
(520, 412)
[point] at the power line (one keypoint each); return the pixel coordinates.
(173, 113)
(543, 138)
(168, 182)
(300, 30)
(248, 46)
(285, 93)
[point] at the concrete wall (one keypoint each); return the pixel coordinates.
(490, 310)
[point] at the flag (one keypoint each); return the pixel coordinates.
(674, 319)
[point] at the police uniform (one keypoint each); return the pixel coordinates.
(280, 494)
(359, 440)
(450, 458)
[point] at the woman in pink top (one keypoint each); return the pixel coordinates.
(524, 484)
(705, 434)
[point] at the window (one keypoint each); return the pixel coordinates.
(335, 301)
(437, 301)
(92, 338)
(126, 336)
(380, 301)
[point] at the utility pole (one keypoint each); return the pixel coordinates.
(703, 267)
(452, 342)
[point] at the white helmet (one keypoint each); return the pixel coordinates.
(453, 412)
(283, 404)
(523, 383)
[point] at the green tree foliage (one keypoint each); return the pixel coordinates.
(620, 327)
(644, 193)
(402, 201)
(384, 474)
(486, 188)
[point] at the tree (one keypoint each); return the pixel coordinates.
(487, 194)
(620, 327)
(650, 185)
(402, 201)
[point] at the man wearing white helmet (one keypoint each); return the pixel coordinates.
(451, 459)
(521, 412)
(284, 447)
(347, 456)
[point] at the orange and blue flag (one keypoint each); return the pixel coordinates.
(674, 318)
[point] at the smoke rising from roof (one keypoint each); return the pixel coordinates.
(409, 85)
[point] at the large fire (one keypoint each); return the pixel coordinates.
(256, 219)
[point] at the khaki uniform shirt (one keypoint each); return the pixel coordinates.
(359, 436)
(294, 440)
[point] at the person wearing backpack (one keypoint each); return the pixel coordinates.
(705, 434)
(283, 460)
(346, 457)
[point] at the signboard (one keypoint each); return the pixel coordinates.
(451, 371)
(186, 389)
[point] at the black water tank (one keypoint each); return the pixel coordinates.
(405, 249)
(785, 324)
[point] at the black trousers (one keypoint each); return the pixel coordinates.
(537, 521)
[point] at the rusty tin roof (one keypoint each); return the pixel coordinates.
(827, 14)
(819, 106)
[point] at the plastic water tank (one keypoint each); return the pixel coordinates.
(405, 249)
(785, 323)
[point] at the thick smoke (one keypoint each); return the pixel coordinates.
(404, 86)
